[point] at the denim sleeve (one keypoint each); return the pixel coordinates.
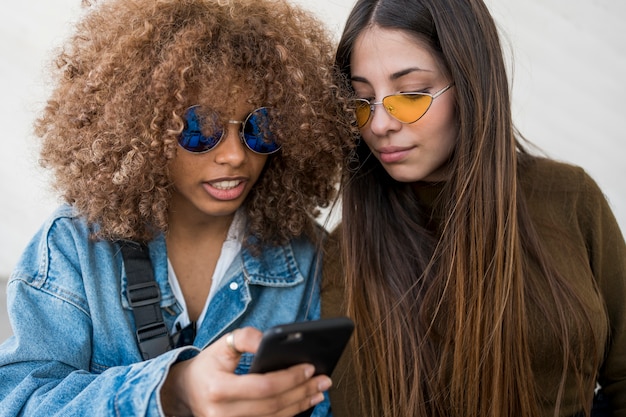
(45, 367)
(73, 351)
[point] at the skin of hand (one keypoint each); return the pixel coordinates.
(207, 385)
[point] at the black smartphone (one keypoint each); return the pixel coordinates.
(318, 342)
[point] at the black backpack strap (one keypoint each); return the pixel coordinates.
(144, 297)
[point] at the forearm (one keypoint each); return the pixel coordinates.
(48, 388)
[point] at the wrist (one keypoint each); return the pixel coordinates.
(172, 392)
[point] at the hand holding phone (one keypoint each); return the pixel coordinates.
(319, 342)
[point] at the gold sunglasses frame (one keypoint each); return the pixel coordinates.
(389, 109)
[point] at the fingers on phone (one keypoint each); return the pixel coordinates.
(274, 383)
(300, 398)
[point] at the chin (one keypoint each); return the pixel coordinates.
(404, 175)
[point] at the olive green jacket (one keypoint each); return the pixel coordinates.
(576, 225)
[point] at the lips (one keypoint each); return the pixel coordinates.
(225, 190)
(393, 154)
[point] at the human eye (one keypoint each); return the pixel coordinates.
(410, 91)
(415, 85)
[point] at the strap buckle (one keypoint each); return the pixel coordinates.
(143, 294)
(154, 339)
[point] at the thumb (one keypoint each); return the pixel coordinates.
(229, 348)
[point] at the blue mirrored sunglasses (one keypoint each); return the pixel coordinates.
(255, 132)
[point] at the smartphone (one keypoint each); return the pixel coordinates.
(318, 342)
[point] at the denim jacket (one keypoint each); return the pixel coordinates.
(74, 351)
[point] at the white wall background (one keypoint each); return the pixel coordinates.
(568, 65)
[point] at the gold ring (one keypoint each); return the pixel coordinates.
(230, 341)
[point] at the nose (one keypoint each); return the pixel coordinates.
(381, 122)
(231, 150)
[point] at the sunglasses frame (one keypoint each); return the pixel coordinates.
(223, 132)
(381, 102)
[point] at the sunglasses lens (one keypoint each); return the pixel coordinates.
(257, 134)
(362, 112)
(192, 138)
(407, 108)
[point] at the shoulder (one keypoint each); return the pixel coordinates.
(546, 181)
(62, 246)
(564, 197)
(549, 173)
(59, 257)
(61, 231)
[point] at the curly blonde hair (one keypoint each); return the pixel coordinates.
(132, 68)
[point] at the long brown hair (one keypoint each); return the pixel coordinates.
(441, 314)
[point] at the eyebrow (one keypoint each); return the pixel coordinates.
(395, 75)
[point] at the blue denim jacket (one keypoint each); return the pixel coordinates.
(74, 352)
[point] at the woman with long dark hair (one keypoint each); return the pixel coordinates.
(483, 280)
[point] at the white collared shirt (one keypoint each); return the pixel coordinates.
(230, 248)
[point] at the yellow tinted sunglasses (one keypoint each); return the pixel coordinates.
(404, 107)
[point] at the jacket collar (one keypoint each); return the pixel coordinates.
(275, 266)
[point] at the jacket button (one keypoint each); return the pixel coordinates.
(234, 286)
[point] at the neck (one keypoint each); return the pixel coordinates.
(194, 244)
(186, 222)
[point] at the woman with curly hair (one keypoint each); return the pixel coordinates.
(483, 280)
(208, 133)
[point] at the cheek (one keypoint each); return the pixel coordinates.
(256, 163)
(182, 166)
(445, 129)
(448, 140)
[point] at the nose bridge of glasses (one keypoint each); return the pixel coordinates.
(231, 146)
(389, 108)
(239, 129)
(364, 118)
(372, 106)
